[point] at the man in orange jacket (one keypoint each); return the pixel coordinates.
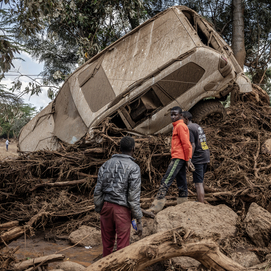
(181, 153)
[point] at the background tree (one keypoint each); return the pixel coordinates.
(14, 114)
(226, 17)
(64, 34)
(238, 35)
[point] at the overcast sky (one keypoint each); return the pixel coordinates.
(28, 67)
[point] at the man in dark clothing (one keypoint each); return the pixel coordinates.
(117, 197)
(181, 152)
(200, 153)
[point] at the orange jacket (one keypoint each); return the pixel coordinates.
(180, 145)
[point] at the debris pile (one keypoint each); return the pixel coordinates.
(240, 166)
(54, 189)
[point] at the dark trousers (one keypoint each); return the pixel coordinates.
(176, 169)
(115, 219)
(198, 174)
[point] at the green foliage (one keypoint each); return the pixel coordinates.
(14, 114)
(257, 19)
(14, 118)
(27, 112)
(64, 34)
(8, 47)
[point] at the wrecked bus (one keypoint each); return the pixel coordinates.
(175, 58)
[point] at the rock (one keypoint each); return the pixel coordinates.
(70, 266)
(93, 236)
(186, 263)
(258, 225)
(266, 147)
(245, 258)
(203, 219)
(147, 229)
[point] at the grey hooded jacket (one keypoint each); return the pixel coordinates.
(119, 181)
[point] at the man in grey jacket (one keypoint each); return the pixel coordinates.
(117, 197)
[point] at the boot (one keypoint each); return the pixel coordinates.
(157, 205)
(181, 200)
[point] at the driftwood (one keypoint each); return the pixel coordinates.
(44, 260)
(265, 266)
(95, 150)
(86, 175)
(59, 184)
(8, 225)
(12, 234)
(148, 214)
(165, 245)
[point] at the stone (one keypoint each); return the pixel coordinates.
(258, 225)
(186, 263)
(70, 266)
(86, 236)
(245, 258)
(266, 147)
(203, 220)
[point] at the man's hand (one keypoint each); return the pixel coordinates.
(139, 228)
(189, 166)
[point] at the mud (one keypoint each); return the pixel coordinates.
(36, 246)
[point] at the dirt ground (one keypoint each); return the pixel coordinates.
(12, 150)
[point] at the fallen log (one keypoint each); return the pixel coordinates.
(260, 267)
(44, 260)
(12, 234)
(8, 225)
(59, 184)
(86, 175)
(165, 245)
(147, 205)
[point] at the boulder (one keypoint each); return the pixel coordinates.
(86, 236)
(203, 219)
(258, 225)
(70, 266)
(186, 263)
(245, 258)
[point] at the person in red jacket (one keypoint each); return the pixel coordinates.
(181, 153)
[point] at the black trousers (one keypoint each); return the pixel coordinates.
(176, 169)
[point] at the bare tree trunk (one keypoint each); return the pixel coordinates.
(165, 245)
(238, 36)
(44, 260)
